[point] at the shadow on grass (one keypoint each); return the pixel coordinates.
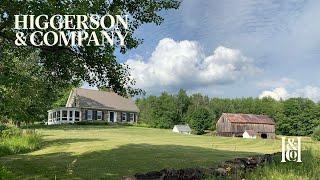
(54, 142)
(76, 126)
(115, 163)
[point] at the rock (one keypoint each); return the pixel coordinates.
(154, 175)
(220, 172)
(148, 176)
(130, 178)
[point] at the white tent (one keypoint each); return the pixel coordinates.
(184, 129)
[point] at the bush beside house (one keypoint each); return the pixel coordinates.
(316, 134)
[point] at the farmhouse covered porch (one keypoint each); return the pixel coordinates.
(64, 115)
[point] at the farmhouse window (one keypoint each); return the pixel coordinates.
(54, 116)
(89, 115)
(131, 117)
(94, 115)
(99, 115)
(70, 116)
(124, 117)
(77, 115)
(64, 115)
(58, 115)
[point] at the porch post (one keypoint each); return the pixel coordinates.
(68, 115)
(73, 115)
(60, 118)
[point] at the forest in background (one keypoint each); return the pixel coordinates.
(294, 116)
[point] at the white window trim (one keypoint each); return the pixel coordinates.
(64, 118)
(70, 115)
(54, 116)
(98, 115)
(91, 114)
(76, 118)
(131, 114)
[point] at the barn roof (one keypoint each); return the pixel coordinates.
(183, 128)
(248, 118)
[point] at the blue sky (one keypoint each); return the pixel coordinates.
(227, 48)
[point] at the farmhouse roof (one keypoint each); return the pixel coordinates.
(251, 132)
(183, 128)
(103, 100)
(248, 118)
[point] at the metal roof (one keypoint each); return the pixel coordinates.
(248, 118)
(183, 128)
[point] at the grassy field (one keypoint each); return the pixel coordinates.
(308, 169)
(111, 152)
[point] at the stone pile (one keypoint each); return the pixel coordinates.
(236, 168)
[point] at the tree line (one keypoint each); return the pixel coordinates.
(294, 116)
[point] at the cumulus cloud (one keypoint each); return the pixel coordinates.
(311, 92)
(277, 93)
(183, 64)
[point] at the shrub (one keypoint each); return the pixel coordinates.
(198, 120)
(5, 174)
(308, 169)
(316, 134)
(91, 123)
(2, 127)
(9, 132)
(14, 140)
(162, 123)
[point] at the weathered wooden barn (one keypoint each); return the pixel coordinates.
(236, 124)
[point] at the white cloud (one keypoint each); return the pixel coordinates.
(283, 82)
(183, 64)
(277, 93)
(311, 92)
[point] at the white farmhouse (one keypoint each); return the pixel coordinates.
(249, 134)
(94, 106)
(183, 129)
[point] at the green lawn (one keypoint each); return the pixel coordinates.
(111, 152)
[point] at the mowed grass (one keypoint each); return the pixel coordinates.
(112, 152)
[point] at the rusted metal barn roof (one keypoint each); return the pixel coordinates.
(248, 118)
